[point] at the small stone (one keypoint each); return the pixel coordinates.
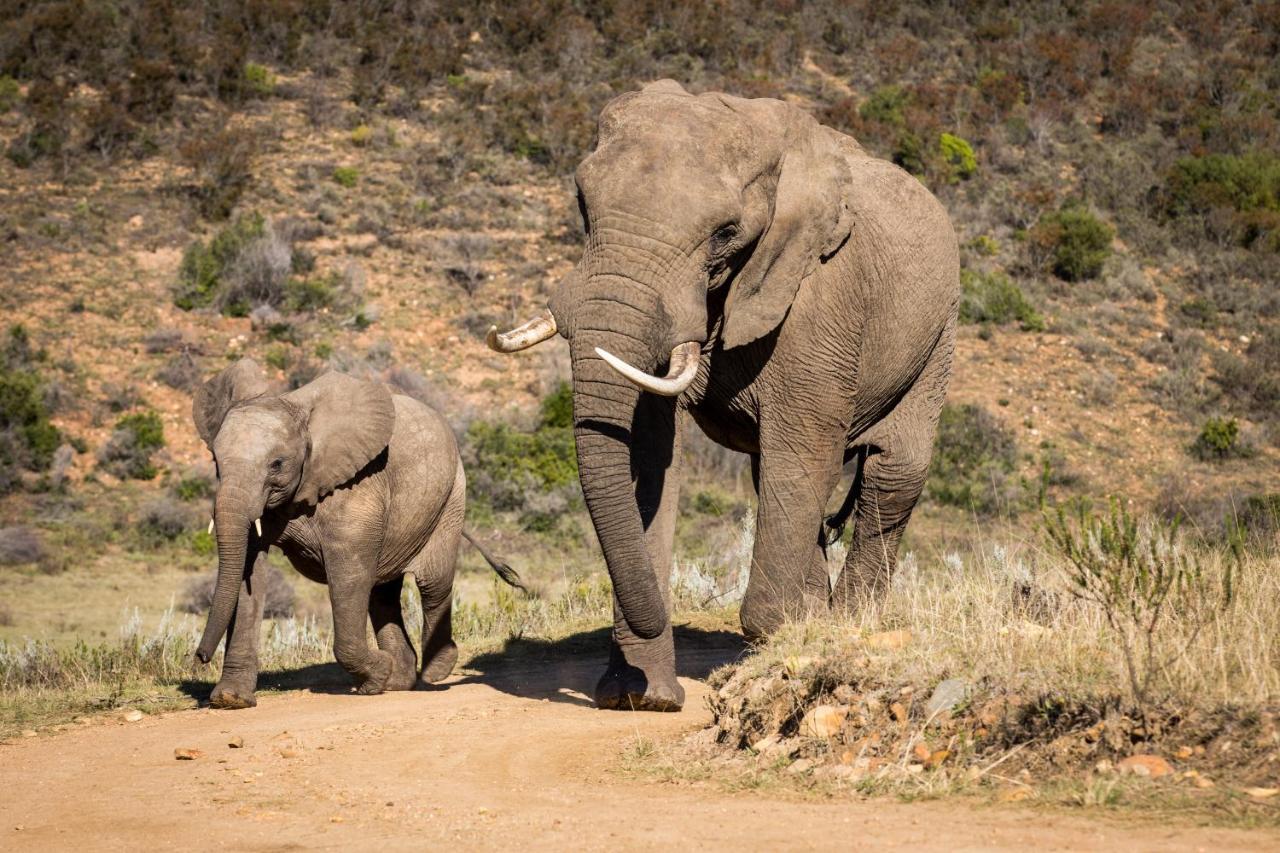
(845, 771)
(921, 751)
(184, 753)
(235, 742)
(1014, 795)
(824, 721)
(765, 744)
(1262, 793)
(336, 819)
(1103, 766)
(802, 765)
(937, 757)
(30, 733)
(288, 752)
(132, 715)
(947, 695)
(898, 711)
(1184, 752)
(888, 640)
(1150, 766)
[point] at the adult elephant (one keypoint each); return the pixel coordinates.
(797, 297)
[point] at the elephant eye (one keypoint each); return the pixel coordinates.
(276, 465)
(723, 236)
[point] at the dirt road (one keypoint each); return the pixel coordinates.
(511, 757)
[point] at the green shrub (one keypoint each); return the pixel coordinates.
(1252, 381)
(995, 298)
(312, 294)
(193, 487)
(1219, 439)
(885, 105)
(973, 462)
(258, 79)
(27, 438)
(987, 247)
(958, 154)
(557, 407)
(1246, 187)
(204, 266)
(10, 93)
(361, 135)
(346, 176)
(127, 454)
(1078, 242)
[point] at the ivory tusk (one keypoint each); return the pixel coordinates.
(257, 523)
(683, 367)
(211, 527)
(535, 331)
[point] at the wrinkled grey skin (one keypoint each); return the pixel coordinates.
(822, 284)
(356, 487)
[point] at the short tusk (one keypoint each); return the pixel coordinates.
(535, 331)
(211, 527)
(257, 523)
(680, 373)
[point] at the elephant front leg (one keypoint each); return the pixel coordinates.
(390, 633)
(239, 679)
(349, 595)
(642, 673)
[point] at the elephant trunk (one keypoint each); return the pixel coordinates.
(234, 511)
(604, 405)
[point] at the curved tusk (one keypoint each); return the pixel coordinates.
(257, 523)
(680, 373)
(211, 527)
(535, 331)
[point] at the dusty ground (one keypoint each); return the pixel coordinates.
(510, 753)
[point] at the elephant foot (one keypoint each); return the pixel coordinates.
(379, 675)
(231, 698)
(441, 664)
(638, 680)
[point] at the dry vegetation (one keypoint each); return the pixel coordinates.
(366, 187)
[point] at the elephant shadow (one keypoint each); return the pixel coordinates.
(561, 670)
(566, 669)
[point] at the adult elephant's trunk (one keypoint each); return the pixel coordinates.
(604, 405)
(235, 511)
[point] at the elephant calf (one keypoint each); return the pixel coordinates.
(357, 487)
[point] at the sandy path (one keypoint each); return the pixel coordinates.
(515, 757)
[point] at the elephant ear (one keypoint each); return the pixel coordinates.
(349, 421)
(810, 222)
(239, 382)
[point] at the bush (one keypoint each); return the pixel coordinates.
(346, 176)
(973, 462)
(221, 155)
(27, 438)
(515, 470)
(19, 545)
(958, 154)
(197, 597)
(127, 454)
(1078, 242)
(1246, 188)
(1252, 382)
(193, 487)
(10, 93)
(258, 79)
(995, 298)
(1219, 439)
(203, 266)
(162, 520)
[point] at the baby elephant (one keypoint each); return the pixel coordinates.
(357, 487)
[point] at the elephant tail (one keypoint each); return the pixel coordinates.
(504, 570)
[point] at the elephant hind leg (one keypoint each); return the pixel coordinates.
(891, 482)
(388, 628)
(433, 571)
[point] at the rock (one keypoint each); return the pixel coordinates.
(1014, 795)
(235, 742)
(936, 758)
(845, 772)
(1103, 766)
(824, 721)
(888, 640)
(765, 744)
(947, 695)
(1262, 793)
(921, 751)
(30, 733)
(898, 712)
(288, 752)
(1151, 766)
(1184, 752)
(844, 694)
(801, 765)
(184, 753)
(132, 715)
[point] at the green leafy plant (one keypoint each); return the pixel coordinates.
(258, 79)
(973, 463)
(1219, 439)
(958, 155)
(1078, 242)
(346, 176)
(995, 298)
(204, 266)
(27, 438)
(128, 452)
(1246, 187)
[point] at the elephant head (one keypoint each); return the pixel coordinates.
(275, 450)
(702, 216)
